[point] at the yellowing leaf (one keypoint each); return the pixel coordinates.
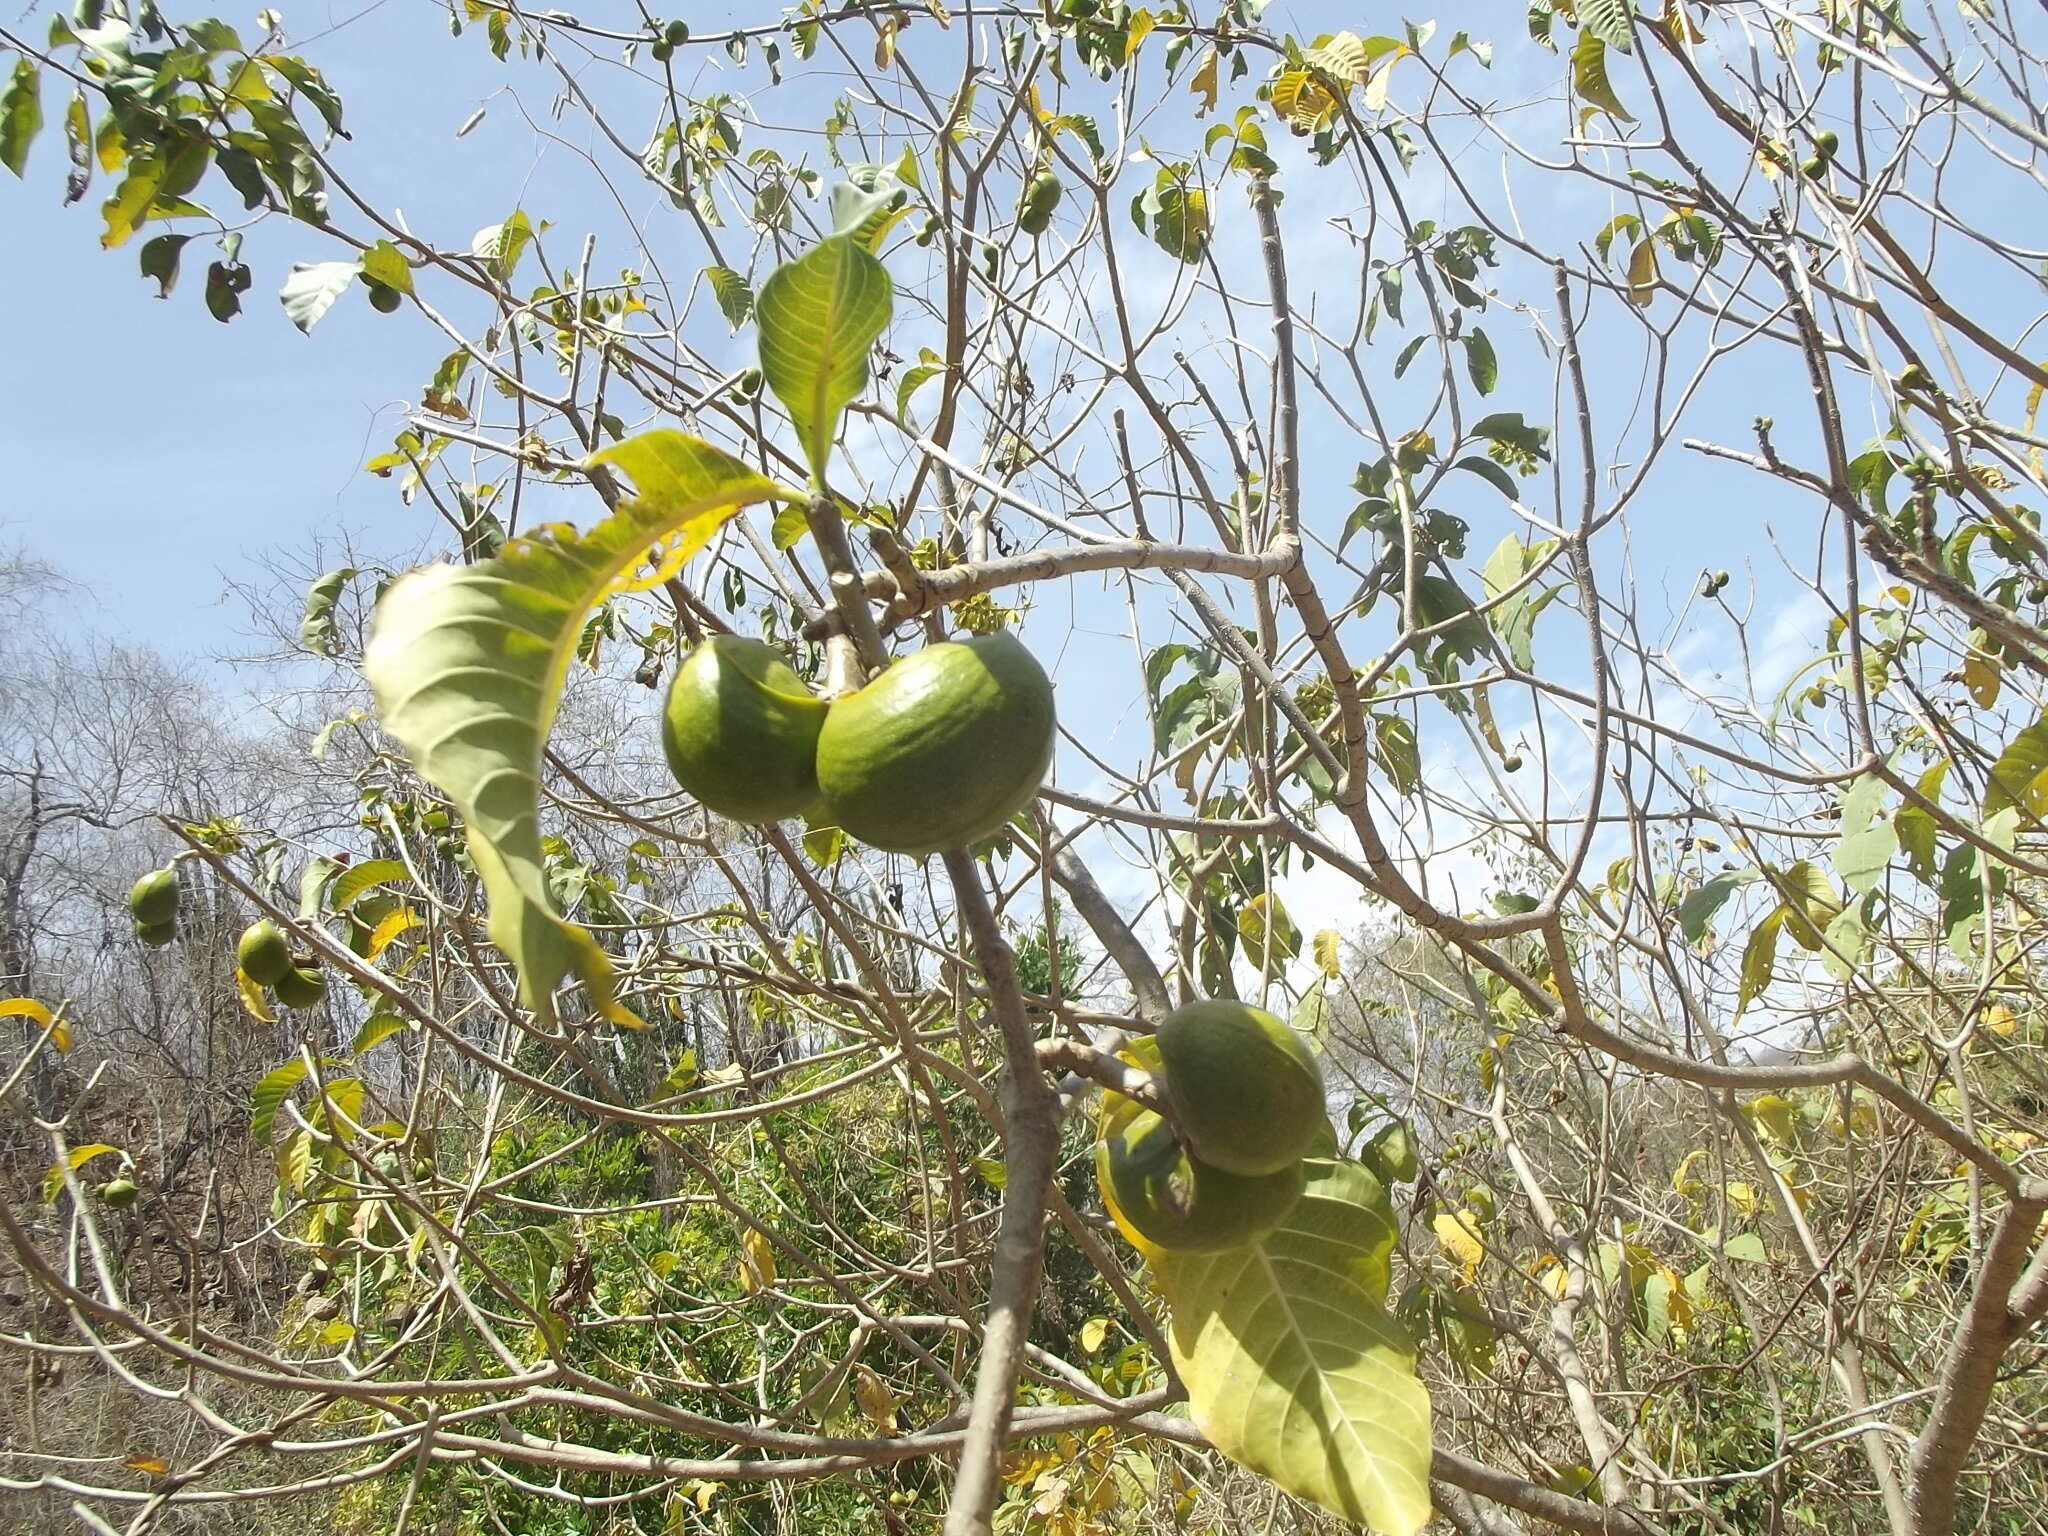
(467, 664)
(1203, 83)
(397, 921)
(154, 1466)
(53, 1181)
(1303, 101)
(1293, 1367)
(1094, 1333)
(1458, 1236)
(757, 1262)
(2000, 1020)
(254, 1003)
(28, 1008)
(1742, 1197)
(1589, 77)
(877, 1403)
(1328, 953)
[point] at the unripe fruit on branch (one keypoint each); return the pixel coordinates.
(740, 731)
(1245, 1088)
(941, 749)
(263, 953)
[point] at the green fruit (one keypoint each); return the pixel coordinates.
(154, 898)
(1814, 168)
(385, 300)
(157, 935)
(1913, 376)
(298, 988)
(1041, 199)
(1179, 1203)
(1512, 763)
(120, 1192)
(663, 51)
(748, 384)
(263, 953)
(676, 34)
(1825, 143)
(1245, 1088)
(941, 749)
(741, 731)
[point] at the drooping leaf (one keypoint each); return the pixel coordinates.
(385, 263)
(311, 289)
(1293, 1367)
(1590, 81)
(735, 298)
(1698, 909)
(1480, 362)
(160, 261)
(378, 1028)
(1759, 957)
(1328, 950)
(316, 628)
(467, 665)
(269, 1094)
(21, 114)
(819, 315)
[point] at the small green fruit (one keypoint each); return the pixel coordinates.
(940, 750)
(1814, 168)
(154, 898)
(676, 33)
(1512, 763)
(662, 51)
(1179, 1203)
(263, 953)
(748, 385)
(741, 731)
(385, 300)
(300, 988)
(120, 1192)
(1913, 376)
(157, 935)
(1246, 1089)
(1041, 200)
(1825, 143)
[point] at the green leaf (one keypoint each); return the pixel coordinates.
(1589, 78)
(1394, 746)
(1175, 214)
(1759, 956)
(1263, 922)
(131, 201)
(735, 298)
(467, 664)
(1698, 909)
(1867, 839)
(1480, 362)
(819, 316)
(1293, 1367)
(358, 880)
(160, 261)
(375, 1031)
(2020, 776)
(913, 379)
(1311, 1016)
(311, 289)
(1608, 20)
(1747, 1247)
(385, 263)
(316, 628)
(789, 526)
(269, 1094)
(1514, 619)
(21, 114)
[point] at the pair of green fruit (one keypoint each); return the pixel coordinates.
(1247, 1095)
(265, 956)
(153, 903)
(938, 751)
